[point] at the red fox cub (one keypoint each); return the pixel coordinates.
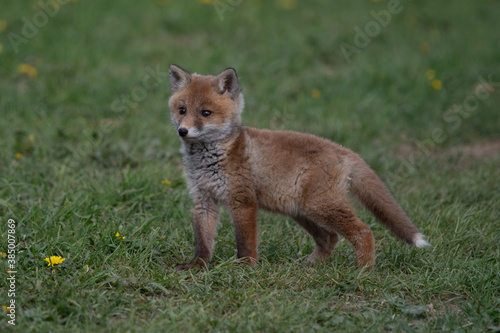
(299, 175)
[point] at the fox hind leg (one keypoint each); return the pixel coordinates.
(340, 218)
(325, 240)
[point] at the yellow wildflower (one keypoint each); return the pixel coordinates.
(120, 237)
(3, 254)
(18, 156)
(6, 308)
(430, 74)
(87, 268)
(315, 93)
(287, 4)
(27, 69)
(166, 182)
(3, 25)
(425, 47)
(54, 260)
(31, 137)
(437, 84)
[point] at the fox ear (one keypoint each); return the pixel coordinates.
(227, 81)
(179, 78)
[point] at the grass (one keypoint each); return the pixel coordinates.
(75, 169)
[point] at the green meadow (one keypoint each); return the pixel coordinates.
(90, 168)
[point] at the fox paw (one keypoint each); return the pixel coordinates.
(198, 264)
(249, 261)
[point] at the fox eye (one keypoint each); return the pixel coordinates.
(182, 110)
(206, 113)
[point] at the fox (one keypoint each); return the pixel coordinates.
(243, 169)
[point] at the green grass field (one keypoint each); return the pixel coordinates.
(87, 151)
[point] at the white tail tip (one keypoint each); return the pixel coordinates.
(419, 241)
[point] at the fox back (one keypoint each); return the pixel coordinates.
(246, 169)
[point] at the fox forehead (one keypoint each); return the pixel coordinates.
(200, 94)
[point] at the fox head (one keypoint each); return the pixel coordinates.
(205, 108)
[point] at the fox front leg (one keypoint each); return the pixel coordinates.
(244, 216)
(205, 218)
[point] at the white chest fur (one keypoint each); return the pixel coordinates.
(205, 173)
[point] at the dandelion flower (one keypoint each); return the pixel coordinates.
(430, 74)
(6, 308)
(287, 4)
(27, 69)
(315, 93)
(166, 182)
(3, 254)
(120, 237)
(425, 47)
(437, 84)
(3, 25)
(54, 260)
(18, 156)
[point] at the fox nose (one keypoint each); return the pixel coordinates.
(183, 131)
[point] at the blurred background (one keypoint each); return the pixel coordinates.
(347, 71)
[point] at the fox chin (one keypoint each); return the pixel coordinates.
(245, 169)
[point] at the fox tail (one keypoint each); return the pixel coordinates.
(374, 195)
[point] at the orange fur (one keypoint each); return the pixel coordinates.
(296, 174)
